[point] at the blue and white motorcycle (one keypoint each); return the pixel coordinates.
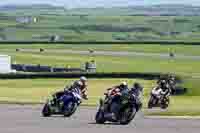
(63, 103)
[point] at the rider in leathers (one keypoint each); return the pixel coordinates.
(163, 90)
(137, 90)
(79, 87)
(113, 98)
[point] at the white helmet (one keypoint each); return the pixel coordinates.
(83, 78)
(123, 84)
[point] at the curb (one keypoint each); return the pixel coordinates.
(173, 117)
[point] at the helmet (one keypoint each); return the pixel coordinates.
(162, 83)
(136, 85)
(172, 77)
(83, 78)
(79, 83)
(123, 84)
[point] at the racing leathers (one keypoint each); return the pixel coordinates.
(161, 91)
(137, 92)
(113, 99)
(77, 87)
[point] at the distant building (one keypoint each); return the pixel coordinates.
(35, 20)
(5, 64)
(90, 66)
(26, 19)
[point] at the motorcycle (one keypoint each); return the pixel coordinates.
(66, 105)
(125, 115)
(158, 100)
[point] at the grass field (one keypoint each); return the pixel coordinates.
(148, 48)
(38, 90)
(111, 64)
(72, 26)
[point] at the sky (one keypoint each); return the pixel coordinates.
(99, 3)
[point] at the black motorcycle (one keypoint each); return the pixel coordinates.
(125, 115)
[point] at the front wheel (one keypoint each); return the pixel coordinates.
(127, 115)
(46, 112)
(100, 117)
(150, 103)
(164, 103)
(70, 109)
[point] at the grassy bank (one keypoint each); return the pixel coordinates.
(148, 48)
(38, 90)
(111, 64)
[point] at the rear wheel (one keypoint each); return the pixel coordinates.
(127, 115)
(46, 112)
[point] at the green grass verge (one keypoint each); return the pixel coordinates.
(150, 48)
(109, 63)
(38, 90)
(31, 91)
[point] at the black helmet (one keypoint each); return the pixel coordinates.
(137, 85)
(162, 82)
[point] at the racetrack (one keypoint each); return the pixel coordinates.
(28, 119)
(119, 53)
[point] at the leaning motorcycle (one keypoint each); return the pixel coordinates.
(66, 105)
(162, 101)
(126, 113)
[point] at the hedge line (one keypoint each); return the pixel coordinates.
(102, 42)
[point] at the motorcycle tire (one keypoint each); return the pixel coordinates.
(70, 109)
(127, 115)
(99, 118)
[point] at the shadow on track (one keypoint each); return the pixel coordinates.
(108, 123)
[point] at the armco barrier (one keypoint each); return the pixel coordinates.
(77, 75)
(39, 68)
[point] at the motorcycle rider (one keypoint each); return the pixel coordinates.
(116, 90)
(137, 90)
(79, 86)
(163, 89)
(113, 98)
(82, 85)
(172, 83)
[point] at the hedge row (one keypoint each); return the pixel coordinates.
(104, 42)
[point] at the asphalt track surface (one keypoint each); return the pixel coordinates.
(28, 119)
(119, 53)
